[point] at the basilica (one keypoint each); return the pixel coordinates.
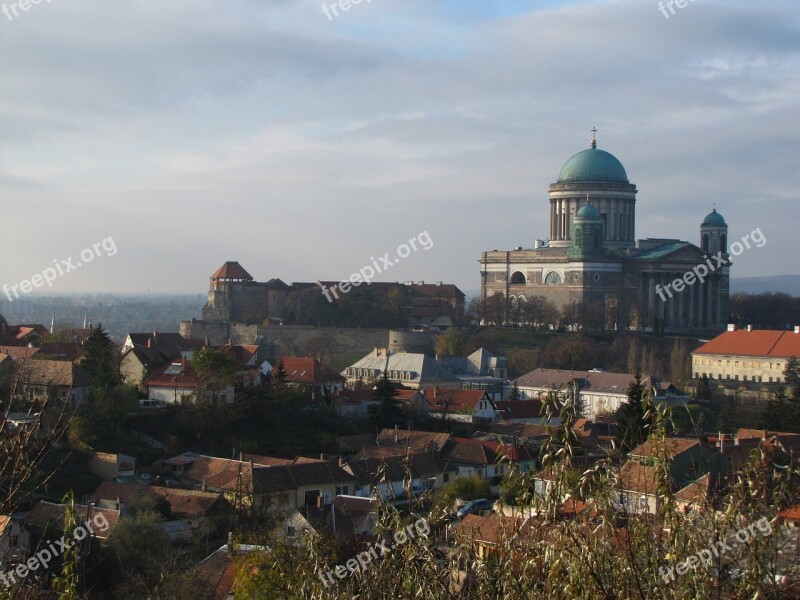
(592, 258)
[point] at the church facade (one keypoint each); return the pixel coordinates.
(592, 258)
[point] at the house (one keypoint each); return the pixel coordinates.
(308, 373)
(46, 515)
(19, 354)
(486, 459)
(216, 574)
(485, 535)
(205, 513)
(350, 516)
(304, 483)
(14, 542)
(178, 382)
(413, 370)
(397, 442)
(42, 380)
(137, 363)
(388, 476)
(22, 335)
(640, 485)
(791, 516)
(170, 345)
(112, 466)
(72, 351)
(746, 355)
(599, 393)
(523, 411)
(466, 406)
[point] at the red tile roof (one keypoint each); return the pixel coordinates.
(232, 270)
(791, 514)
(47, 513)
(184, 375)
(453, 400)
(668, 448)
(306, 370)
(758, 342)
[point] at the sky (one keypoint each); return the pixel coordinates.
(186, 133)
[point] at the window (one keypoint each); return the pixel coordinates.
(290, 531)
(518, 278)
(342, 490)
(445, 477)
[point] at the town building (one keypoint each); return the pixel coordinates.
(592, 257)
(754, 355)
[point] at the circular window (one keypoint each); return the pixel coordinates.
(596, 276)
(576, 276)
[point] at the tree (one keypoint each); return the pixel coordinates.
(100, 360)
(515, 394)
(389, 412)
(216, 371)
(632, 423)
(462, 488)
(783, 409)
(453, 342)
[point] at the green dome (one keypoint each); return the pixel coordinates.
(715, 219)
(593, 165)
(587, 211)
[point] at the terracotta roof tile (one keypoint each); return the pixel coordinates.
(758, 342)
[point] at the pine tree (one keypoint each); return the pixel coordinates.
(99, 360)
(388, 411)
(632, 427)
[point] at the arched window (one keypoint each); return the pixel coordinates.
(518, 278)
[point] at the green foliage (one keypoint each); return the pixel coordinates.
(389, 413)
(633, 422)
(461, 488)
(453, 342)
(783, 410)
(100, 360)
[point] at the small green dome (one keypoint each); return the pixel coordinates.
(714, 219)
(593, 165)
(587, 211)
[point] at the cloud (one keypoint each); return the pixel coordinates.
(194, 132)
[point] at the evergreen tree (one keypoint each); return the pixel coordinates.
(515, 395)
(99, 360)
(388, 411)
(632, 426)
(783, 410)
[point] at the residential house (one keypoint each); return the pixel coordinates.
(485, 534)
(687, 459)
(178, 382)
(42, 380)
(30, 334)
(489, 460)
(112, 467)
(599, 393)
(204, 513)
(389, 476)
(216, 574)
(72, 351)
(46, 515)
(465, 406)
(746, 355)
(523, 411)
(14, 542)
(310, 374)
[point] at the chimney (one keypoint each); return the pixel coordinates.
(749, 328)
(797, 328)
(150, 342)
(320, 502)
(204, 487)
(731, 326)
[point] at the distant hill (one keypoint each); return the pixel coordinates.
(788, 284)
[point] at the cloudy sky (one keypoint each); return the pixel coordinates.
(193, 132)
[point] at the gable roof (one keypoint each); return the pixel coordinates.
(19, 353)
(217, 573)
(175, 374)
(306, 370)
(669, 448)
(519, 409)
(758, 342)
(48, 513)
(447, 400)
(60, 373)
